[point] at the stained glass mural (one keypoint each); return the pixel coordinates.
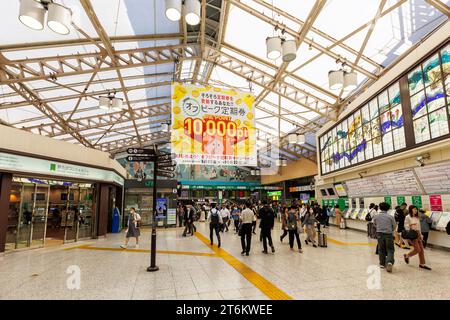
(366, 133)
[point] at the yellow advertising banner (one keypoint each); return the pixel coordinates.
(213, 126)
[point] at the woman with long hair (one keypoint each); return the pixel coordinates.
(412, 222)
(284, 213)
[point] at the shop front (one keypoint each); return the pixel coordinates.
(139, 195)
(45, 202)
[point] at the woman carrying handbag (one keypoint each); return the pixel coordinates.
(134, 223)
(413, 234)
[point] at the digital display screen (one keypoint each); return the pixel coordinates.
(324, 192)
(331, 191)
(340, 189)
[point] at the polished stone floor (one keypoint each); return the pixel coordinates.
(191, 269)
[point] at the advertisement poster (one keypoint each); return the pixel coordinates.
(212, 126)
(436, 202)
(161, 207)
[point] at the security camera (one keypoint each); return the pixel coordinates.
(421, 159)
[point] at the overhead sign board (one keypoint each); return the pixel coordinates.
(140, 158)
(213, 126)
(140, 151)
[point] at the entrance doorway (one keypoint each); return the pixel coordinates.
(48, 212)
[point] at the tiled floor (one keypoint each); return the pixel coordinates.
(342, 271)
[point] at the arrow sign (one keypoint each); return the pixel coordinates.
(167, 168)
(164, 170)
(140, 158)
(167, 164)
(166, 174)
(140, 151)
(165, 157)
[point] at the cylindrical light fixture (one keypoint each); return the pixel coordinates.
(165, 126)
(116, 104)
(253, 172)
(350, 81)
(273, 45)
(283, 162)
(59, 18)
(292, 138)
(104, 103)
(301, 139)
(193, 8)
(336, 79)
(32, 14)
(289, 49)
(173, 9)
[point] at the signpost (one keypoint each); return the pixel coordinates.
(167, 165)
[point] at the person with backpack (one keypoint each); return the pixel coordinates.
(400, 214)
(385, 225)
(267, 217)
(292, 220)
(369, 218)
(425, 225)
(247, 216)
(284, 214)
(214, 220)
(133, 225)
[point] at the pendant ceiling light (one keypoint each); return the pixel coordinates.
(193, 8)
(32, 14)
(350, 81)
(289, 49)
(281, 162)
(173, 9)
(296, 138)
(165, 126)
(301, 139)
(116, 104)
(273, 45)
(103, 103)
(59, 18)
(336, 79)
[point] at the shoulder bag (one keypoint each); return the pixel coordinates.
(410, 234)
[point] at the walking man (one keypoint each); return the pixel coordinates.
(385, 225)
(267, 217)
(247, 217)
(214, 220)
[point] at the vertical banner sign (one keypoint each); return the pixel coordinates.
(213, 126)
(400, 200)
(417, 201)
(388, 200)
(436, 202)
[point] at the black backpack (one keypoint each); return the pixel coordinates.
(214, 216)
(369, 216)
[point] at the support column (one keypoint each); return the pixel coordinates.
(103, 206)
(5, 190)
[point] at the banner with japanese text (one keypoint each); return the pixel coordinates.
(212, 126)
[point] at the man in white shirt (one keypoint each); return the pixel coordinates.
(247, 217)
(225, 213)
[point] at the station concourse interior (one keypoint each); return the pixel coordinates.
(148, 148)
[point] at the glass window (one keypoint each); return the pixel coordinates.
(377, 148)
(431, 71)
(385, 120)
(369, 150)
(415, 81)
(435, 97)
(394, 94)
(421, 130)
(438, 123)
(388, 144)
(418, 105)
(383, 101)
(373, 108)
(397, 117)
(398, 136)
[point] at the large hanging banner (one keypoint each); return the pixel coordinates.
(213, 126)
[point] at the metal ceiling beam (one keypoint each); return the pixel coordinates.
(280, 26)
(442, 7)
(81, 41)
(263, 79)
(89, 94)
(43, 107)
(315, 30)
(119, 145)
(314, 13)
(43, 68)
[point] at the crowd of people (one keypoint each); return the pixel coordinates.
(408, 228)
(295, 219)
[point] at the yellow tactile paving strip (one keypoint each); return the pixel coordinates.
(266, 287)
(350, 243)
(87, 247)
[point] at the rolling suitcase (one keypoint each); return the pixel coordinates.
(322, 240)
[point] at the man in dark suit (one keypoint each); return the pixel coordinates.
(189, 219)
(267, 217)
